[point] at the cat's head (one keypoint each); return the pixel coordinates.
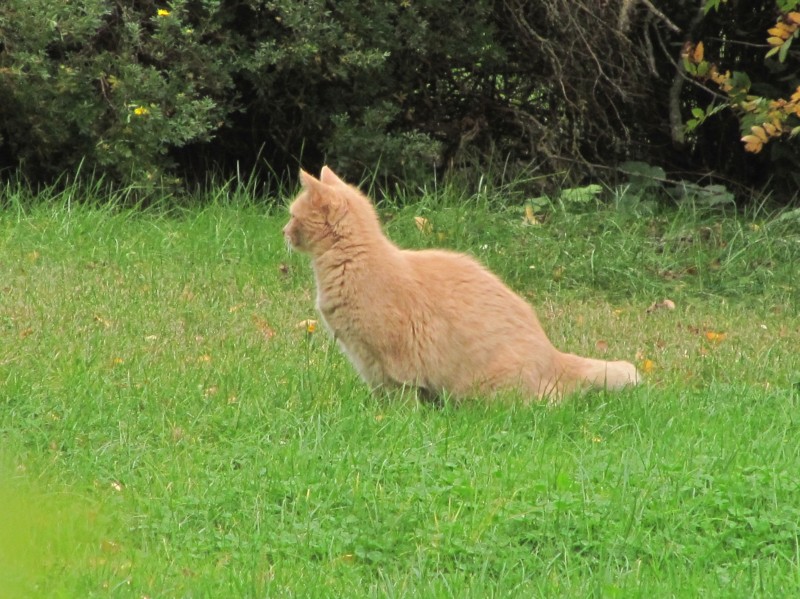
(326, 211)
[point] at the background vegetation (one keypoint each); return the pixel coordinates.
(147, 92)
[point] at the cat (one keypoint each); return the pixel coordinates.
(435, 320)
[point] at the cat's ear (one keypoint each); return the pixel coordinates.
(309, 181)
(328, 177)
(324, 198)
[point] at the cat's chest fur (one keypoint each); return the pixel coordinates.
(346, 305)
(340, 289)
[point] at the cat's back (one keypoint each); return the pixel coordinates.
(449, 277)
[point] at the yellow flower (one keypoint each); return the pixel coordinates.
(163, 12)
(141, 111)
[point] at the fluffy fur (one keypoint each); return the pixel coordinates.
(431, 319)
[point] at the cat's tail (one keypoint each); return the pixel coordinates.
(579, 373)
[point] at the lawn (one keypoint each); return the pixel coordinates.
(169, 427)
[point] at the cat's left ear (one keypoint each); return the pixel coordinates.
(328, 177)
(308, 180)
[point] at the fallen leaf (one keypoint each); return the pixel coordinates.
(263, 326)
(24, 333)
(665, 304)
(205, 358)
(309, 325)
(715, 337)
(530, 217)
(103, 321)
(283, 269)
(423, 224)
(236, 308)
(601, 346)
(647, 366)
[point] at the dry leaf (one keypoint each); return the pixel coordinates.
(530, 217)
(263, 326)
(103, 321)
(205, 358)
(647, 366)
(24, 333)
(715, 337)
(283, 269)
(236, 308)
(601, 346)
(665, 304)
(309, 325)
(423, 224)
(697, 55)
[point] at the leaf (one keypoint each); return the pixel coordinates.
(581, 195)
(263, 327)
(309, 325)
(794, 17)
(647, 366)
(601, 346)
(698, 112)
(784, 51)
(775, 41)
(530, 217)
(697, 55)
(423, 224)
(665, 304)
(752, 143)
(715, 337)
(760, 133)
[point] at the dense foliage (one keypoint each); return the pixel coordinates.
(139, 91)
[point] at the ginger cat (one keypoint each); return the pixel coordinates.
(431, 319)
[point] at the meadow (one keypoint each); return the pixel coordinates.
(172, 425)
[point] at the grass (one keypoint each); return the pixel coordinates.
(169, 428)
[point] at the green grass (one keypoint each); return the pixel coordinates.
(168, 428)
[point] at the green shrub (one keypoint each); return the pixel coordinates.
(141, 93)
(114, 86)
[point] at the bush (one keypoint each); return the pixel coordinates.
(139, 90)
(114, 86)
(145, 90)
